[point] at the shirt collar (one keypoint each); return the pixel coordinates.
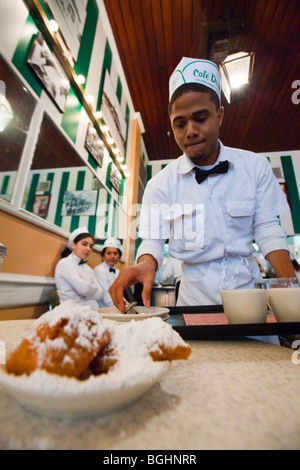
(107, 265)
(185, 164)
(77, 260)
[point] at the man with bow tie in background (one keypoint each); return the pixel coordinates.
(211, 203)
(106, 272)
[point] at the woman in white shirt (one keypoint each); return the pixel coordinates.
(74, 278)
(106, 272)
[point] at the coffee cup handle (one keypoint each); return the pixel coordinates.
(269, 305)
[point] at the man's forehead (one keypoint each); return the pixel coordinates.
(193, 103)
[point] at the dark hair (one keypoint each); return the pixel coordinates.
(197, 87)
(81, 236)
(77, 239)
(104, 249)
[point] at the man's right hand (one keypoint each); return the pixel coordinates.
(143, 272)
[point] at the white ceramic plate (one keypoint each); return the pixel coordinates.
(57, 396)
(113, 313)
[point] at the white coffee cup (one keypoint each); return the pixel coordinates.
(285, 303)
(245, 305)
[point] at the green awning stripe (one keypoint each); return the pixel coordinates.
(87, 40)
(119, 90)
(5, 184)
(290, 178)
(71, 116)
(62, 189)
(105, 66)
(32, 191)
(149, 172)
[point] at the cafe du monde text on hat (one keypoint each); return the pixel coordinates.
(200, 71)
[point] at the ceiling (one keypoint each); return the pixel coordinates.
(153, 35)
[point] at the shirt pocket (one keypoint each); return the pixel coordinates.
(187, 226)
(239, 216)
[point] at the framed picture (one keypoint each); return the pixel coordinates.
(284, 188)
(70, 16)
(48, 70)
(79, 203)
(40, 205)
(113, 113)
(94, 145)
(115, 177)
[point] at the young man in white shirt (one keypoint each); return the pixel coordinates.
(211, 220)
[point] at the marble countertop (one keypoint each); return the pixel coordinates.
(240, 394)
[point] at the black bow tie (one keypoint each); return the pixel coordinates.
(82, 262)
(112, 270)
(201, 175)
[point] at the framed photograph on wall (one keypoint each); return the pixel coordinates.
(113, 113)
(79, 203)
(94, 145)
(48, 70)
(40, 205)
(115, 177)
(70, 16)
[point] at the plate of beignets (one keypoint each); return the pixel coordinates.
(136, 313)
(73, 362)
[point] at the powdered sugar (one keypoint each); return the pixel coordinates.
(137, 339)
(78, 326)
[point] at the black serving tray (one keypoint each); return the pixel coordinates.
(197, 332)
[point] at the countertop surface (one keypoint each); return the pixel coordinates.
(241, 394)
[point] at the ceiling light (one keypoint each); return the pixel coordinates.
(53, 26)
(236, 70)
(90, 98)
(99, 115)
(80, 79)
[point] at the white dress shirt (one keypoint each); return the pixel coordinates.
(211, 226)
(77, 282)
(105, 278)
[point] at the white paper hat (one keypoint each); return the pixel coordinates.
(75, 233)
(200, 71)
(112, 242)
